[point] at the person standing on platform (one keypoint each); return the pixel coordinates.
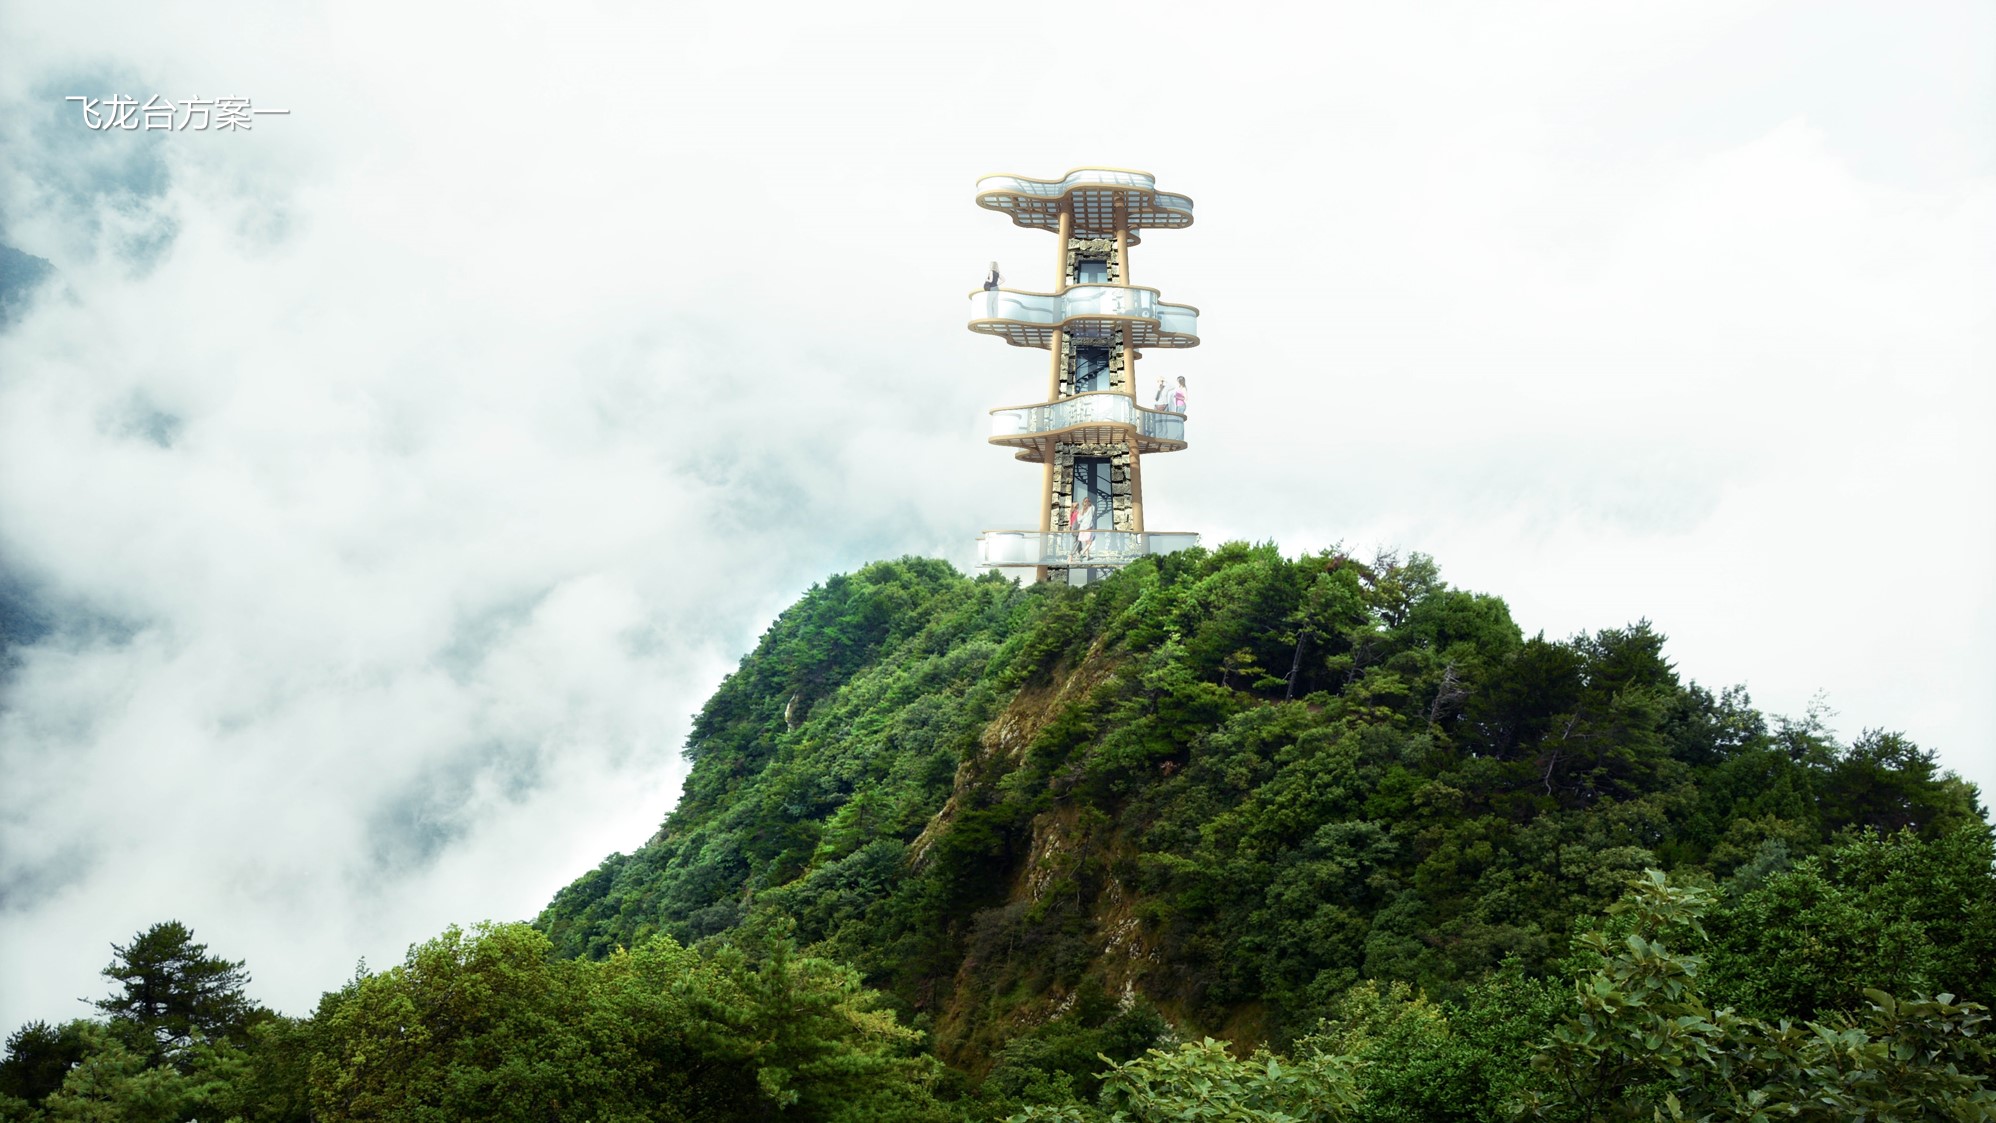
(1081, 520)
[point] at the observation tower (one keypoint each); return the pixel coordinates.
(1101, 415)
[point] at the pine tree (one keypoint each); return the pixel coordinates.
(174, 991)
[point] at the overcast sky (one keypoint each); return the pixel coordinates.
(383, 488)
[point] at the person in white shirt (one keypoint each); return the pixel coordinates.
(1081, 520)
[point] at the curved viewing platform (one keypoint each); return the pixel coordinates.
(1091, 196)
(1065, 548)
(1096, 417)
(1028, 319)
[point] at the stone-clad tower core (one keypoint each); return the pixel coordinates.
(1102, 414)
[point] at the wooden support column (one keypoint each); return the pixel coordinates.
(1129, 330)
(1136, 487)
(1046, 487)
(1057, 346)
(1066, 233)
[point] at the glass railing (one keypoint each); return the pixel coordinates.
(1101, 407)
(1085, 312)
(1076, 547)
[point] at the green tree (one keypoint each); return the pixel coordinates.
(1645, 1044)
(1898, 912)
(115, 1083)
(173, 992)
(486, 1025)
(1420, 1060)
(39, 1057)
(1202, 1083)
(471, 1026)
(273, 1082)
(1060, 1061)
(1886, 782)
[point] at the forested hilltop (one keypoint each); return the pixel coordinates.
(1225, 836)
(1214, 793)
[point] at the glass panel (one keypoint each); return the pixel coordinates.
(1098, 406)
(1089, 509)
(1091, 271)
(1091, 493)
(1085, 312)
(1107, 548)
(1091, 369)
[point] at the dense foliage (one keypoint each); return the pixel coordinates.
(1634, 1040)
(490, 1026)
(1226, 836)
(1233, 785)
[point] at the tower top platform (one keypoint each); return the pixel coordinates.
(1091, 196)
